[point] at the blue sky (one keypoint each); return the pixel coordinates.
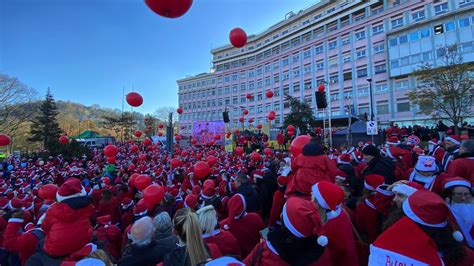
(88, 50)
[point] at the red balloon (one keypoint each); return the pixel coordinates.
(269, 94)
(249, 96)
(290, 128)
(228, 134)
(5, 140)
(175, 163)
(131, 167)
(160, 134)
(267, 151)
(321, 88)
(241, 119)
(110, 150)
(271, 117)
(184, 153)
(48, 192)
(255, 156)
(179, 110)
(211, 160)
(236, 132)
(133, 177)
(134, 99)
(290, 133)
(217, 137)
(169, 8)
(259, 126)
(250, 120)
(298, 143)
(134, 148)
(201, 169)
(238, 37)
(138, 133)
(246, 112)
(142, 182)
(111, 160)
(239, 151)
(153, 195)
(147, 142)
(160, 126)
(142, 157)
(64, 140)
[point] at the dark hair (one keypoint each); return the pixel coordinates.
(107, 195)
(452, 251)
(243, 178)
(294, 250)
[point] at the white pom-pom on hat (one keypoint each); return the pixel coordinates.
(323, 240)
(458, 236)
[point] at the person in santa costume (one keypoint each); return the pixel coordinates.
(458, 195)
(67, 224)
(436, 150)
(244, 226)
(212, 234)
(109, 235)
(310, 167)
(422, 237)
(377, 164)
(463, 166)
(278, 201)
(425, 174)
(400, 154)
(451, 144)
(338, 228)
(300, 240)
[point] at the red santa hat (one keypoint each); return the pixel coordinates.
(372, 181)
(301, 218)
(104, 220)
(15, 204)
(140, 209)
(457, 181)
(454, 139)
(208, 192)
(72, 188)
(407, 188)
(191, 201)
(426, 164)
(328, 195)
(258, 174)
(3, 203)
(237, 206)
(433, 141)
(282, 181)
(48, 192)
(426, 208)
(196, 190)
(341, 175)
(345, 158)
(393, 140)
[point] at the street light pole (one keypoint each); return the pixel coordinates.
(371, 105)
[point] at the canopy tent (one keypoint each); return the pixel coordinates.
(88, 134)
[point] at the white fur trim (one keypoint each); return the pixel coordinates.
(384, 191)
(456, 183)
(452, 140)
(289, 225)
(323, 240)
(412, 215)
(319, 198)
(340, 178)
(212, 233)
(380, 256)
(369, 187)
(60, 198)
(458, 236)
(15, 220)
(404, 189)
(245, 206)
(334, 214)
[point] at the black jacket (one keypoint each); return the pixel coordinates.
(381, 166)
(151, 254)
(251, 196)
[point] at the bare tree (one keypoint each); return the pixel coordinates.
(162, 113)
(446, 91)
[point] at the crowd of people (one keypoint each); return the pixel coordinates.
(392, 204)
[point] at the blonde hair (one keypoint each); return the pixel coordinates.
(207, 219)
(188, 230)
(101, 255)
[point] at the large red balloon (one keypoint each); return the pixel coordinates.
(201, 169)
(246, 112)
(267, 151)
(290, 128)
(211, 160)
(134, 99)
(249, 96)
(64, 140)
(160, 134)
(5, 140)
(255, 156)
(239, 151)
(134, 148)
(147, 142)
(169, 8)
(241, 119)
(238, 37)
(175, 163)
(142, 182)
(131, 167)
(179, 110)
(259, 126)
(269, 94)
(138, 133)
(111, 160)
(133, 177)
(217, 137)
(298, 143)
(321, 88)
(48, 192)
(153, 194)
(271, 116)
(251, 120)
(110, 150)
(160, 126)
(290, 133)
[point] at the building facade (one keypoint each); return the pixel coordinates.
(342, 44)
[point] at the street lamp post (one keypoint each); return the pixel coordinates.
(371, 103)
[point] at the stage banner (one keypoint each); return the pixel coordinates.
(205, 131)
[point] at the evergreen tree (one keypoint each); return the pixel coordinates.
(300, 116)
(45, 126)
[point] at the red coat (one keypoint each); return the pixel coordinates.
(277, 207)
(109, 208)
(66, 229)
(270, 257)
(18, 242)
(280, 139)
(225, 240)
(366, 220)
(126, 219)
(462, 167)
(246, 230)
(3, 227)
(341, 245)
(308, 171)
(112, 237)
(436, 185)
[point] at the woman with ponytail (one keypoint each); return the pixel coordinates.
(191, 249)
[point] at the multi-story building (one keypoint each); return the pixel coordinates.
(340, 43)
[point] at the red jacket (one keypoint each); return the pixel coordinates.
(246, 230)
(225, 240)
(277, 207)
(280, 139)
(66, 229)
(16, 241)
(3, 226)
(367, 220)
(341, 245)
(462, 167)
(112, 237)
(126, 219)
(308, 171)
(270, 257)
(109, 208)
